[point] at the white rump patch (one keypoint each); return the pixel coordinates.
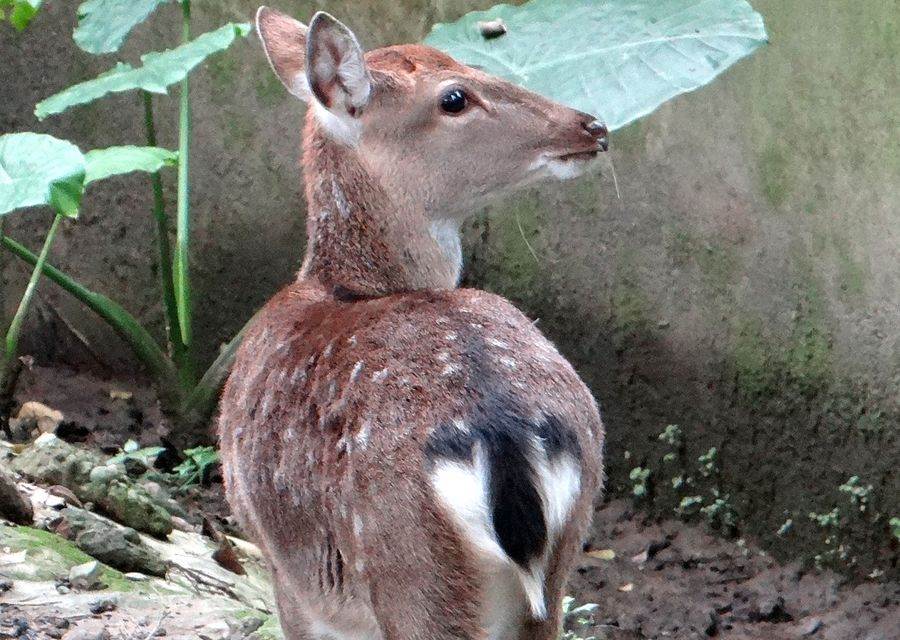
(462, 489)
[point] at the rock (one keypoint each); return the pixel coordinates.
(811, 626)
(85, 576)
(5, 585)
(91, 479)
(119, 547)
(134, 467)
(87, 634)
(13, 505)
(45, 419)
(136, 576)
(103, 605)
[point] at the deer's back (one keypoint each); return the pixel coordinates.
(338, 416)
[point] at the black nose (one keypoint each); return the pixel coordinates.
(598, 129)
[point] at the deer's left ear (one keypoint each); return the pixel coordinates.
(335, 67)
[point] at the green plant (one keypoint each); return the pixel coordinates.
(197, 463)
(894, 524)
(578, 617)
(42, 170)
(20, 12)
(708, 462)
(639, 477)
(720, 515)
(689, 505)
(858, 494)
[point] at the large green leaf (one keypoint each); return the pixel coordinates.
(618, 59)
(37, 169)
(159, 70)
(21, 12)
(103, 163)
(103, 25)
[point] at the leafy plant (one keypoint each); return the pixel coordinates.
(197, 463)
(646, 56)
(40, 170)
(639, 477)
(579, 617)
(20, 12)
(649, 52)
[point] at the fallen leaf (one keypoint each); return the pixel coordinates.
(625, 588)
(602, 554)
(118, 394)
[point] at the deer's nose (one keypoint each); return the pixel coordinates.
(597, 128)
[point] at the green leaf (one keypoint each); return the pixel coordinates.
(159, 70)
(37, 169)
(617, 60)
(21, 12)
(103, 163)
(103, 25)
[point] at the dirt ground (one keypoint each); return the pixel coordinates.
(650, 578)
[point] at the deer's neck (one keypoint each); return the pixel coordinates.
(360, 240)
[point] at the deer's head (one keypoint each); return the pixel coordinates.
(434, 131)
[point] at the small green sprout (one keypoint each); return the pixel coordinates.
(688, 505)
(826, 520)
(708, 465)
(198, 461)
(672, 435)
(639, 477)
(578, 616)
(894, 523)
(858, 494)
(720, 514)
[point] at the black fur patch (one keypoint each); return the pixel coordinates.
(507, 440)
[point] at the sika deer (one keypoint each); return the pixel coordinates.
(416, 461)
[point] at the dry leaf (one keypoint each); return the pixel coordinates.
(602, 554)
(625, 588)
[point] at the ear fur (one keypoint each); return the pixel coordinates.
(335, 67)
(284, 41)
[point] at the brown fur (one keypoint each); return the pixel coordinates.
(345, 374)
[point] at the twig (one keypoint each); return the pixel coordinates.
(527, 244)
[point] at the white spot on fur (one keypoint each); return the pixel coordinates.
(380, 375)
(443, 356)
(508, 362)
(357, 369)
(498, 343)
(326, 353)
(362, 436)
(357, 525)
(450, 370)
(340, 199)
(451, 336)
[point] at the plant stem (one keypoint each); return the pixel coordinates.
(173, 333)
(11, 345)
(139, 339)
(183, 227)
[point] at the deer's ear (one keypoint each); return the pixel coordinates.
(336, 68)
(284, 40)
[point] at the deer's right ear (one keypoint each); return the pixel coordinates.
(284, 41)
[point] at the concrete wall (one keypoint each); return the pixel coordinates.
(744, 286)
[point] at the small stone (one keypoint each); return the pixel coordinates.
(136, 576)
(5, 585)
(811, 626)
(103, 605)
(84, 576)
(105, 473)
(491, 29)
(43, 417)
(13, 505)
(62, 589)
(134, 467)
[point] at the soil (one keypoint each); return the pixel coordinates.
(650, 578)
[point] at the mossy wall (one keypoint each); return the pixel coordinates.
(743, 285)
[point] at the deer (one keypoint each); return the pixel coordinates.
(415, 460)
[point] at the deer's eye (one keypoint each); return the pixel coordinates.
(454, 101)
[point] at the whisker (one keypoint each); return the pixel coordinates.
(525, 240)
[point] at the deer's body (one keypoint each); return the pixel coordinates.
(417, 462)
